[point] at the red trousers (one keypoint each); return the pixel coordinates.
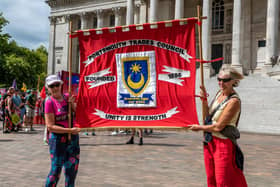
(221, 169)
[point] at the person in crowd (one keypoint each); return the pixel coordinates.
(131, 140)
(22, 107)
(30, 107)
(18, 104)
(221, 122)
(2, 105)
(64, 151)
(9, 110)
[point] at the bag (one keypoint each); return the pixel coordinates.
(207, 135)
(15, 118)
(239, 157)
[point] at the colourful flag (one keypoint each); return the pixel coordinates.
(43, 93)
(14, 85)
(138, 76)
(24, 87)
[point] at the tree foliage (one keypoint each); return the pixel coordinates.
(20, 63)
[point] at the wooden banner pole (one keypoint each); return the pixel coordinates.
(70, 78)
(200, 55)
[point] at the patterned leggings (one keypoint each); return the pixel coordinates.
(63, 154)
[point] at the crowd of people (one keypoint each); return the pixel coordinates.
(18, 110)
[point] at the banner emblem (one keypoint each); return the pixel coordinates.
(136, 80)
(136, 74)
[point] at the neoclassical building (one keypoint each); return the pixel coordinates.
(244, 32)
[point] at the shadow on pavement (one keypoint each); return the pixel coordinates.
(7, 140)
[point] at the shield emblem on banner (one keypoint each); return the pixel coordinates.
(136, 74)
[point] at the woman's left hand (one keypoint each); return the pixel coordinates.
(195, 127)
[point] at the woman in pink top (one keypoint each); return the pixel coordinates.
(64, 152)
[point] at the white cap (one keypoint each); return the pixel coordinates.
(53, 79)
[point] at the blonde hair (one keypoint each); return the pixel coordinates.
(226, 69)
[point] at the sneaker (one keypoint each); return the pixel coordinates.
(93, 133)
(122, 132)
(26, 130)
(85, 133)
(6, 131)
(32, 129)
(114, 133)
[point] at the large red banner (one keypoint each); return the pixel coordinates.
(139, 76)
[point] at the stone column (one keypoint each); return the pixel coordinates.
(206, 35)
(51, 54)
(153, 11)
(143, 12)
(117, 12)
(100, 19)
(137, 13)
(130, 12)
(236, 30)
(179, 9)
(271, 30)
(84, 20)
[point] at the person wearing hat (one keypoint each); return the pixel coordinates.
(64, 152)
(30, 107)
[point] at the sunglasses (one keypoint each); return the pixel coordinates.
(54, 85)
(224, 80)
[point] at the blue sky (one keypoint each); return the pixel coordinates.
(28, 21)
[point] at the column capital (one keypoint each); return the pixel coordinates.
(67, 18)
(83, 14)
(99, 12)
(117, 10)
(52, 19)
(137, 5)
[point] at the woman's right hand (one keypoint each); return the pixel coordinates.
(203, 93)
(75, 130)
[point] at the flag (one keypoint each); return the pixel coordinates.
(14, 85)
(43, 93)
(74, 85)
(138, 76)
(24, 87)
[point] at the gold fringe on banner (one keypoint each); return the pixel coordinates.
(138, 25)
(134, 127)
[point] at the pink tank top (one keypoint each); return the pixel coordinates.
(59, 109)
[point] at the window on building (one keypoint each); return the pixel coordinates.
(112, 20)
(94, 22)
(218, 11)
(261, 43)
(228, 20)
(79, 24)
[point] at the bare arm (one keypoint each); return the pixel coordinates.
(50, 122)
(229, 112)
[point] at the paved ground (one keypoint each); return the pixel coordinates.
(166, 159)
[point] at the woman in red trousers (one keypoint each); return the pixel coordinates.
(220, 151)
